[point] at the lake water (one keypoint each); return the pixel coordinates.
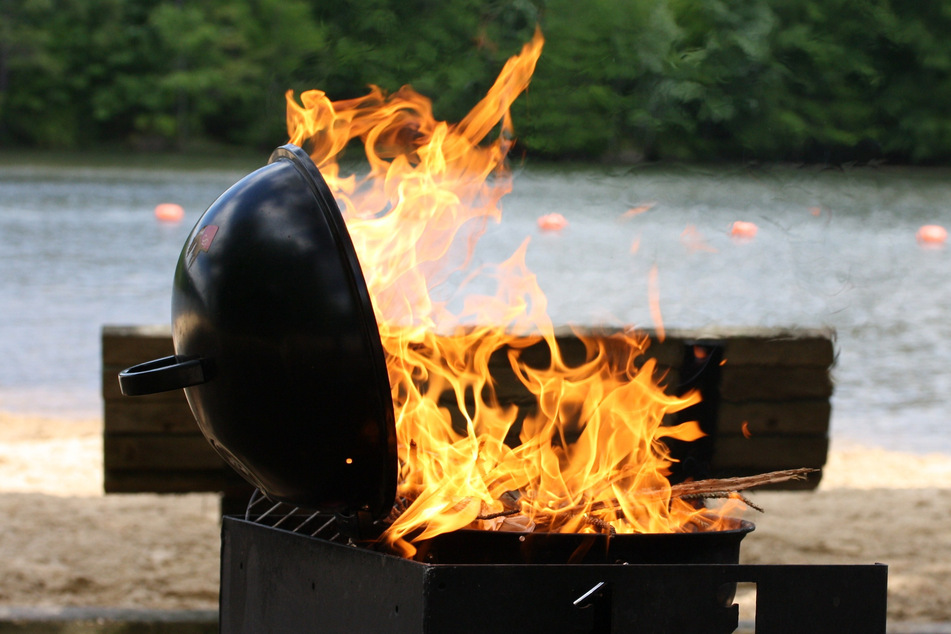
(80, 247)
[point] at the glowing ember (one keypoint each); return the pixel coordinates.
(591, 455)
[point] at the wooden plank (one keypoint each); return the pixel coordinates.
(110, 384)
(769, 346)
(777, 381)
(740, 383)
(146, 481)
(769, 453)
(574, 352)
(667, 352)
(805, 417)
(161, 453)
(512, 393)
(667, 378)
(124, 346)
(799, 350)
(134, 416)
(509, 390)
(130, 345)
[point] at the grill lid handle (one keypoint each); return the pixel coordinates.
(163, 375)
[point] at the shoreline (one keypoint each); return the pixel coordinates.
(66, 544)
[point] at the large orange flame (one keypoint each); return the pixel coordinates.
(589, 454)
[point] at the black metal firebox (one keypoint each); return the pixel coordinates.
(277, 580)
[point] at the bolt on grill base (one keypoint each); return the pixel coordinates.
(280, 581)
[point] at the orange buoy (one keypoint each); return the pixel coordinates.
(743, 230)
(169, 212)
(932, 235)
(552, 222)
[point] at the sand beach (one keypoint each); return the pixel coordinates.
(64, 543)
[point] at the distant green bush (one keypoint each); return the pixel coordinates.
(790, 80)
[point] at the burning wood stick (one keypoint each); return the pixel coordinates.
(725, 487)
(723, 496)
(710, 488)
(731, 485)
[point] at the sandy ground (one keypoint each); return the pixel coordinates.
(64, 543)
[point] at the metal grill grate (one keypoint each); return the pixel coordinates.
(266, 512)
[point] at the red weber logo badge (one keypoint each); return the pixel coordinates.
(201, 242)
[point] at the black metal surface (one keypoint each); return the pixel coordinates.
(277, 581)
(700, 371)
(496, 547)
(269, 296)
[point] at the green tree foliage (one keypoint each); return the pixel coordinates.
(721, 77)
(825, 57)
(913, 55)
(24, 53)
(151, 73)
(449, 50)
(51, 67)
(817, 80)
(225, 66)
(595, 86)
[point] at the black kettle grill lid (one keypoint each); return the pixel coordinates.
(375, 356)
(270, 295)
(277, 345)
(358, 287)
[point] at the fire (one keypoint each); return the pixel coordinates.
(590, 454)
